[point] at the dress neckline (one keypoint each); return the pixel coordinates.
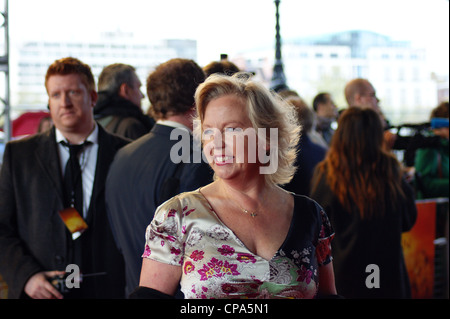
(239, 241)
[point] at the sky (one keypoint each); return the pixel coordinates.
(232, 26)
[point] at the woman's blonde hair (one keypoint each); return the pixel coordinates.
(265, 110)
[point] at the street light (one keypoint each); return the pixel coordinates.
(278, 81)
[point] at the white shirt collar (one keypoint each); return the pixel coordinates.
(93, 137)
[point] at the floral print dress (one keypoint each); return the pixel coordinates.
(215, 264)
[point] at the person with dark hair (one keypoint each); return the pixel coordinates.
(144, 174)
(118, 108)
(432, 163)
(327, 113)
(360, 185)
(223, 67)
(52, 204)
(360, 92)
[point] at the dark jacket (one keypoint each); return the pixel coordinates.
(134, 187)
(309, 155)
(432, 167)
(359, 243)
(33, 237)
(120, 116)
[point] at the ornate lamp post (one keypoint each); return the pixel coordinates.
(278, 81)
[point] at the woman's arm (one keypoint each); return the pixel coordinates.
(327, 286)
(160, 276)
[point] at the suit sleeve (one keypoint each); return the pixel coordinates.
(195, 175)
(16, 264)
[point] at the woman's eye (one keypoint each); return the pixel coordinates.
(207, 131)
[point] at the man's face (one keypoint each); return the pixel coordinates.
(328, 109)
(368, 98)
(134, 94)
(70, 103)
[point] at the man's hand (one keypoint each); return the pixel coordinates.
(38, 286)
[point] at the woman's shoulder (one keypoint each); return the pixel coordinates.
(303, 201)
(185, 197)
(306, 208)
(182, 204)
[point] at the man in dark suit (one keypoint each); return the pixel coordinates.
(144, 173)
(35, 243)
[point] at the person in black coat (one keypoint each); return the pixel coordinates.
(148, 171)
(118, 108)
(309, 154)
(360, 185)
(35, 244)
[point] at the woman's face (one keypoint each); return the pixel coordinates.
(230, 142)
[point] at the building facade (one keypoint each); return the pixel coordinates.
(33, 59)
(405, 86)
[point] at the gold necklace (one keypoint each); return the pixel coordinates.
(245, 211)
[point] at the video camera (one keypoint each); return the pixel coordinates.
(411, 137)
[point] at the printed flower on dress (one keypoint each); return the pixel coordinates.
(303, 256)
(188, 267)
(170, 226)
(187, 212)
(218, 232)
(217, 268)
(195, 237)
(171, 238)
(171, 213)
(246, 258)
(280, 271)
(304, 275)
(229, 289)
(175, 251)
(197, 255)
(323, 251)
(226, 250)
(147, 251)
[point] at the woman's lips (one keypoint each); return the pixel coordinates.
(223, 160)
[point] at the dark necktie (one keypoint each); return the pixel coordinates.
(73, 187)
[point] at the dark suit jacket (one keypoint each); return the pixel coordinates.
(309, 155)
(33, 237)
(133, 188)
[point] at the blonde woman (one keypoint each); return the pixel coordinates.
(241, 236)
